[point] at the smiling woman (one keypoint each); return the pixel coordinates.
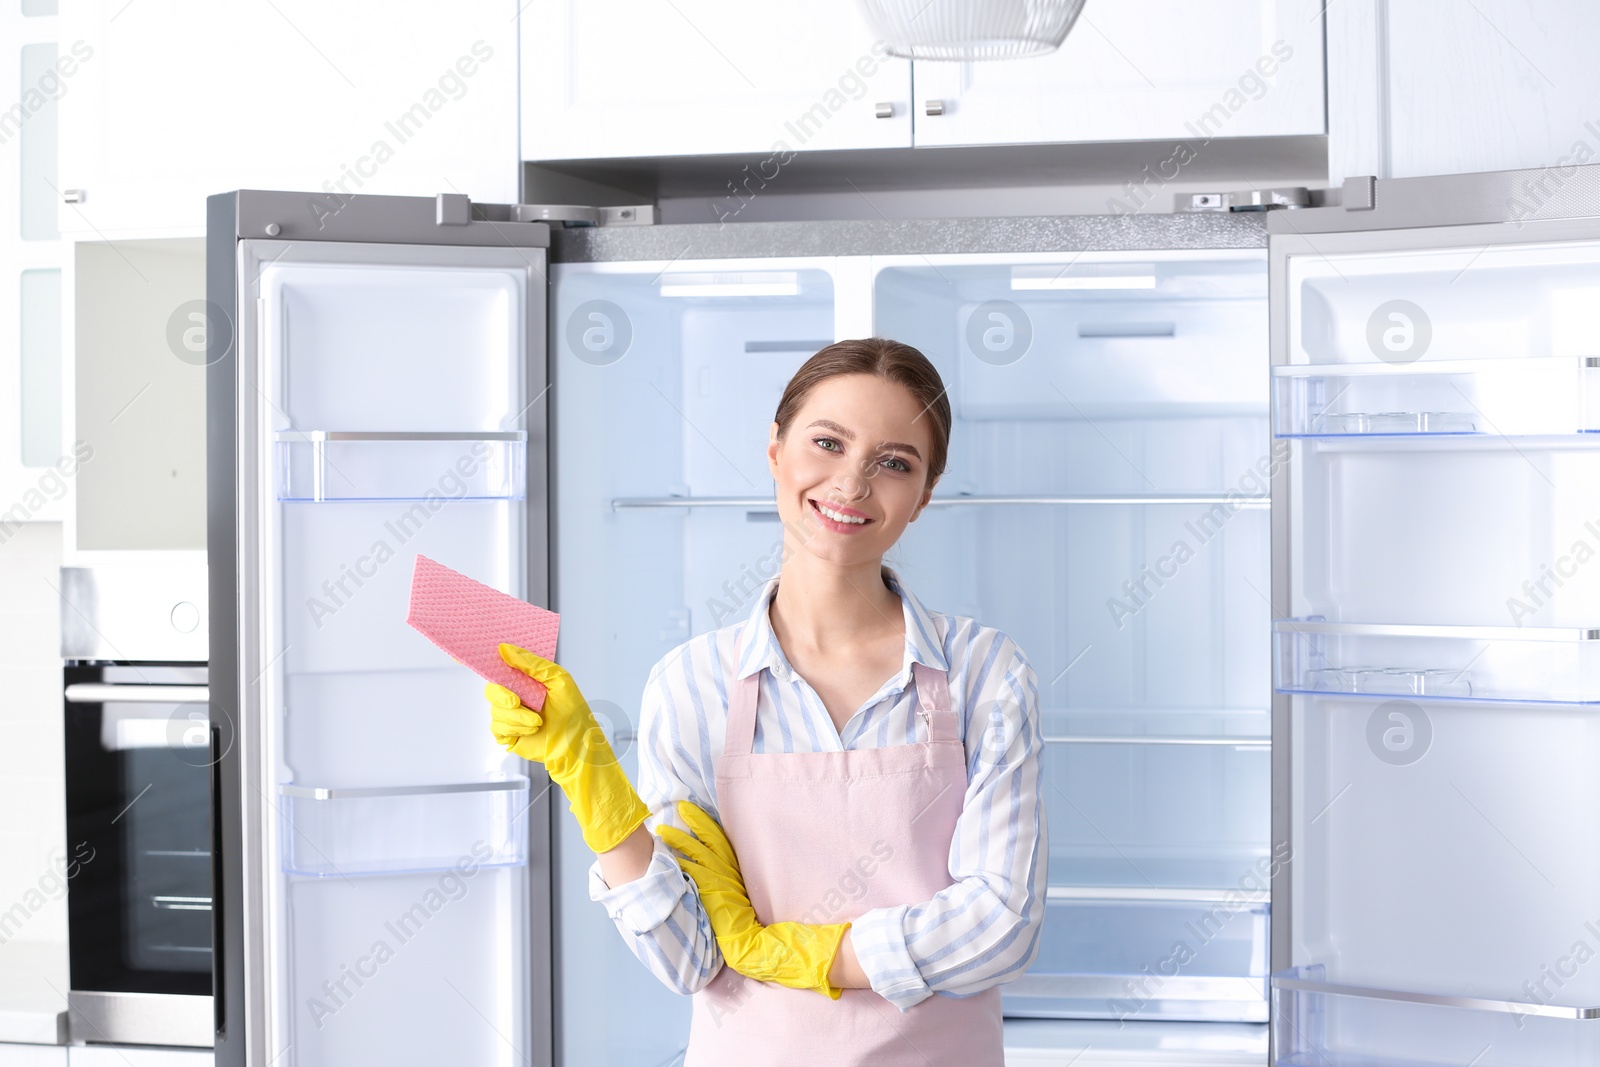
(860, 773)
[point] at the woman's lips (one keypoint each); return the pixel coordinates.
(834, 525)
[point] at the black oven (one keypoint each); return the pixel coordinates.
(140, 754)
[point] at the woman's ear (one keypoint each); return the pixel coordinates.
(772, 450)
(927, 494)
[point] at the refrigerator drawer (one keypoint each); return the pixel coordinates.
(403, 829)
(1315, 1022)
(1504, 397)
(1503, 663)
(1164, 957)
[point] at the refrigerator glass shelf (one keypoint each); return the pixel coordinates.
(404, 829)
(1198, 728)
(1117, 499)
(329, 465)
(1548, 395)
(1554, 665)
(1315, 1022)
(1148, 960)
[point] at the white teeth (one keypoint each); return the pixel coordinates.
(837, 517)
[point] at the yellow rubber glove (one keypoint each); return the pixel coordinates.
(798, 955)
(572, 747)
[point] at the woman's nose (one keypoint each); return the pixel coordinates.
(851, 486)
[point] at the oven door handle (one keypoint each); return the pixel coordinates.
(119, 693)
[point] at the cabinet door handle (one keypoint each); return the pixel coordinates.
(72, 196)
(934, 107)
(884, 110)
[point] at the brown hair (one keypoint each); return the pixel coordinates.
(890, 360)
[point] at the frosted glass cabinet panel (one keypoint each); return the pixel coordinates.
(1105, 505)
(666, 378)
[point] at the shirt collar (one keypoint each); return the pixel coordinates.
(759, 645)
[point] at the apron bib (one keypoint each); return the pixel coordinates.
(823, 837)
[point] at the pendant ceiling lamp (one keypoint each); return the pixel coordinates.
(971, 29)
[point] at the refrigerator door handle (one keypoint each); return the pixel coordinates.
(218, 1000)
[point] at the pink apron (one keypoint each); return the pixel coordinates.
(823, 837)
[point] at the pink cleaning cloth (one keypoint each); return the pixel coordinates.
(470, 620)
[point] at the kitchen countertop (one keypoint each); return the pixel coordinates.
(33, 992)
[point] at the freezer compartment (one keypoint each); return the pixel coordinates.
(334, 832)
(1438, 846)
(1438, 662)
(1148, 955)
(1092, 336)
(321, 465)
(1467, 530)
(1558, 395)
(1408, 306)
(1316, 1023)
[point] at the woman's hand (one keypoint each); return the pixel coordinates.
(569, 742)
(798, 955)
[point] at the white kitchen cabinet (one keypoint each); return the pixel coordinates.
(1138, 72)
(32, 487)
(137, 335)
(621, 78)
(32, 1056)
(178, 100)
(1438, 87)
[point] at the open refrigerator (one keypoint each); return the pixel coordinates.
(1181, 477)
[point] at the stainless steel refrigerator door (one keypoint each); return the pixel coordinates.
(384, 862)
(1434, 350)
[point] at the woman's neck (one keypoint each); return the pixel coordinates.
(827, 607)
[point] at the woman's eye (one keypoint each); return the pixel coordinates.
(904, 467)
(824, 441)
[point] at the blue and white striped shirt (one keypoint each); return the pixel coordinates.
(974, 934)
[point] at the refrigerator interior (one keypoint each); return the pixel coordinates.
(665, 383)
(1439, 652)
(397, 823)
(1114, 401)
(1143, 402)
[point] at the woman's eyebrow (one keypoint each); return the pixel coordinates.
(850, 435)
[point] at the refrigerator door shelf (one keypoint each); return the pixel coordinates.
(1501, 397)
(1315, 1022)
(404, 829)
(328, 465)
(1533, 664)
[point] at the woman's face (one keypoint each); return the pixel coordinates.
(859, 447)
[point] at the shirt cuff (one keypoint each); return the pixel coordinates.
(644, 903)
(879, 938)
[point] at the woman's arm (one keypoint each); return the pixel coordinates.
(983, 929)
(629, 860)
(654, 906)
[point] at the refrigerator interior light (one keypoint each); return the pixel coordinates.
(744, 283)
(1099, 276)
